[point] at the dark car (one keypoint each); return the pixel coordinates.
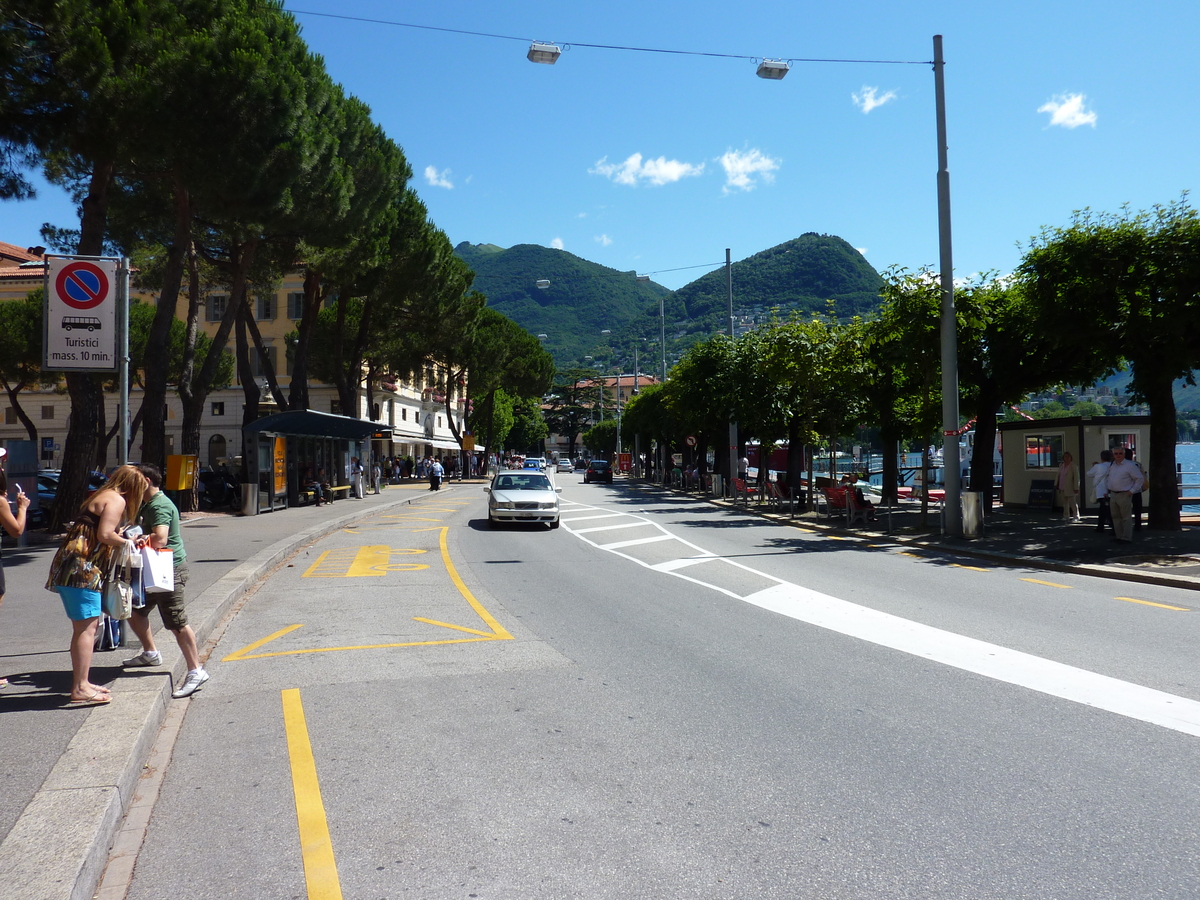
(598, 470)
(47, 491)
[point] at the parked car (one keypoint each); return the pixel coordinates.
(522, 495)
(598, 470)
(47, 493)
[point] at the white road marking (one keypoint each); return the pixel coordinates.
(980, 657)
(647, 540)
(633, 524)
(589, 518)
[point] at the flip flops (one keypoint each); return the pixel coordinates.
(96, 699)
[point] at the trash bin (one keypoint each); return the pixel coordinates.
(972, 512)
(718, 486)
(249, 499)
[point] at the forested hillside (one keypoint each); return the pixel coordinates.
(584, 298)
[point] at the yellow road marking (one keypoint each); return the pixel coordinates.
(361, 562)
(1159, 605)
(1065, 587)
(972, 568)
(316, 846)
(497, 633)
(913, 555)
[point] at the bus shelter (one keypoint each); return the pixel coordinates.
(296, 447)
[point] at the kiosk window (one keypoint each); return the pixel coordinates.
(1043, 451)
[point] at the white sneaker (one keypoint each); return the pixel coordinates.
(145, 658)
(190, 684)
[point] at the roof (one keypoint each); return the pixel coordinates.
(11, 255)
(311, 423)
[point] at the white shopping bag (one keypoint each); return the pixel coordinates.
(158, 570)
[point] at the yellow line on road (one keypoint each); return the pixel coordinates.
(1065, 587)
(496, 627)
(1159, 605)
(316, 846)
(972, 568)
(242, 654)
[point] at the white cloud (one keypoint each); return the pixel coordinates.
(862, 250)
(557, 243)
(870, 98)
(655, 171)
(1068, 111)
(581, 215)
(603, 240)
(438, 179)
(741, 169)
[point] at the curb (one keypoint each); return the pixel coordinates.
(58, 847)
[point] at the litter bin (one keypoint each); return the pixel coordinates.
(972, 511)
(718, 486)
(249, 499)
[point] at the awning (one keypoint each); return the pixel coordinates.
(310, 423)
(442, 445)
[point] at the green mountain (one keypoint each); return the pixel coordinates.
(802, 275)
(583, 299)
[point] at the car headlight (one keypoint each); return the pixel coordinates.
(549, 505)
(506, 504)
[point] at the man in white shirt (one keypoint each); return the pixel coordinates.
(1124, 479)
(1099, 475)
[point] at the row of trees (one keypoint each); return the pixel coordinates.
(1103, 292)
(203, 138)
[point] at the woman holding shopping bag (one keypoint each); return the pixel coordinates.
(81, 565)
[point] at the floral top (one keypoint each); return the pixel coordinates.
(82, 561)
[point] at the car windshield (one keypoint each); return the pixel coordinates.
(600, 464)
(523, 482)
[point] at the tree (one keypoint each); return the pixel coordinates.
(571, 403)
(21, 352)
(529, 427)
(1128, 287)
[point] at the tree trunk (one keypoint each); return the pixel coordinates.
(985, 442)
(79, 452)
(250, 391)
(1164, 492)
(30, 428)
(157, 356)
(313, 297)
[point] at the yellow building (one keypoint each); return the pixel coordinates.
(415, 413)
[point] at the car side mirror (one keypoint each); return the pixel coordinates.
(487, 489)
(558, 490)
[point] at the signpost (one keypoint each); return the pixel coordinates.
(85, 323)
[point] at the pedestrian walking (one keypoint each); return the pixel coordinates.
(1124, 480)
(377, 476)
(1067, 484)
(1099, 475)
(159, 519)
(82, 564)
(435, 475)
(13, 524)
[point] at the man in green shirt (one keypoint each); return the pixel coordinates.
(159, 519)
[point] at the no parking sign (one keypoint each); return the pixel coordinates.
(81, 314)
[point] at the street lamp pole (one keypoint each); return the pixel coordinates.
(952, 507)
(732, 338)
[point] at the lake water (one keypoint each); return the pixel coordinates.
(1188, 457)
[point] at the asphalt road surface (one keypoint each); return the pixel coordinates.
(665, 699)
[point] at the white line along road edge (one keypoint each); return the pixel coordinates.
(990, 660)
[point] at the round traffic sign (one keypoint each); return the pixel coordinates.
(691, 440)
(81, 285)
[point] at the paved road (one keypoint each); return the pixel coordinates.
(658, 700)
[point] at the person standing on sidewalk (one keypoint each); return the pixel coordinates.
(160, 523)
(1099, 475)
(81, 565)
(1068, 487)
(435, 475)
(14, 525)
(1124, 480)
(1137, 498)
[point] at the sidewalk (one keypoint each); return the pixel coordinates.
(68, 775)
(1038, 539)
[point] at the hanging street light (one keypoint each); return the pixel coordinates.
(547, 54)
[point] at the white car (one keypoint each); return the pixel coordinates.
(540, 460)
(565, 465)
(522, 495)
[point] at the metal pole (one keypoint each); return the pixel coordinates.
(952, 507)
(618, 415)
(123, 353)
(662, 338)
(732, 337)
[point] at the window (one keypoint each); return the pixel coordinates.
(1043, 451)
(295, 306)
(257, 363)
(335, 407)
(439, 421)
(47, 412)
(404, 414)
(10, 415)
(216, 306)
(218, 409)
(265, 307)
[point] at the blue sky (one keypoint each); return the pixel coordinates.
(653, 161)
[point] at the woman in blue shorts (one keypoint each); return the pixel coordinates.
(79, 568)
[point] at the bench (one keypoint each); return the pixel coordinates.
(777, 494)
(841, 501)
(741, 489)
(339, 489)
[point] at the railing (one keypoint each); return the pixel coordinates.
(1189, 490)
